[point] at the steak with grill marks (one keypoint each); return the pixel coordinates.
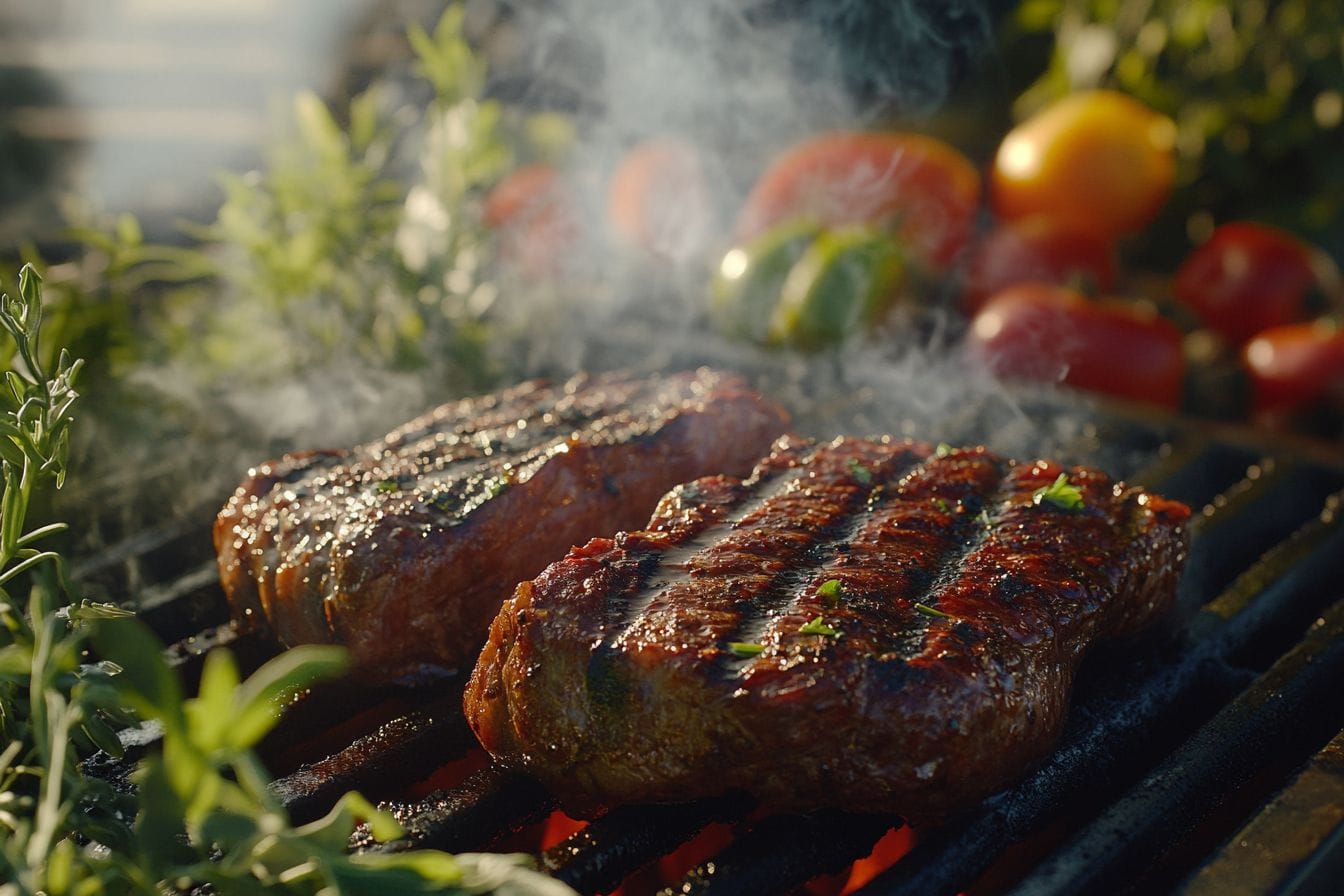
(404, 548)
(863, 624)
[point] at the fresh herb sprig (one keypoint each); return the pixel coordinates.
(1061, 494)
(203, 812)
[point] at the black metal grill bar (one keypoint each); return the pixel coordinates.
(783, 852)
(396, 755)
(484, 808)
(1106, 734)
(1294, 705)
(1295, 846)
(610, 849)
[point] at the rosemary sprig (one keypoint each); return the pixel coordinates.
(203, 812)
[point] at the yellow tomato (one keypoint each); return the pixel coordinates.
(1098, 161)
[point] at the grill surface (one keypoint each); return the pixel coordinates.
(1176, 746)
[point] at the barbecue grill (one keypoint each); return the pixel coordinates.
(1206, 755)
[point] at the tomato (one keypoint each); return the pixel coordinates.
(1248, 277)
(1044, 332)
(535, 218)
(1294, 366)
(658, 200)
(1036, 249)
(1097, 161)
(924, 188)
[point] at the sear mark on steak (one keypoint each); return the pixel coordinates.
(404, 548)
(864, 624)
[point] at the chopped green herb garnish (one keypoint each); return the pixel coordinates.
(930, 611)
(830, 592)
(860, 472)
(497, 487)
(818, 627)
(984, 519)
(1061, 493)
(943, 450)
(745, 648)
(942, 505)
(387, 486)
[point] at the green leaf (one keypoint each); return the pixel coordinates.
(318, 128)
(16, 661)
(1060, 493)
(258, 699)
(830, 592)
(128, 230)
(60, 868)
(745, 648)
(102, 736)
(931, 611)
(818, 626)
(227, 829)
(211, 713)
(147, 682)
(860, 472)
(159, 824)
(502, 873)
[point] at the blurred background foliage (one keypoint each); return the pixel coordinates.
(354, 253)
(1256, 88)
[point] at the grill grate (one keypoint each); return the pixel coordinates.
(1175, 741)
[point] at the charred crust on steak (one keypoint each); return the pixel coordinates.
(936, 670)
(404, 548)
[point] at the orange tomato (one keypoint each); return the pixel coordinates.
(1099, 161)
(658, 200)
(926, 189)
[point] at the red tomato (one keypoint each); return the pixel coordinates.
(1097, 160)
(1036, 249)
(658, 200)
(1246, 278)
(929, 190)
(535, 218)
(1043, 332)
(1295, 365)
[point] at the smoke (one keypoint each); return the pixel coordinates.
(741, 81)
(738, 80)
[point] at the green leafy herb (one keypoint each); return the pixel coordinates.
(942, 505)
(818, 627)
(830, 592)
(930, 611)
(745, 648)
(1060, 493)
(387, 486)
(203, 811)
(943, 450)
(860, 472)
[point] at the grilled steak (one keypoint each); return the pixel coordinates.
(404, 548)
(863, 624)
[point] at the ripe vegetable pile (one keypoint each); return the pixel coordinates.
(844, 226)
